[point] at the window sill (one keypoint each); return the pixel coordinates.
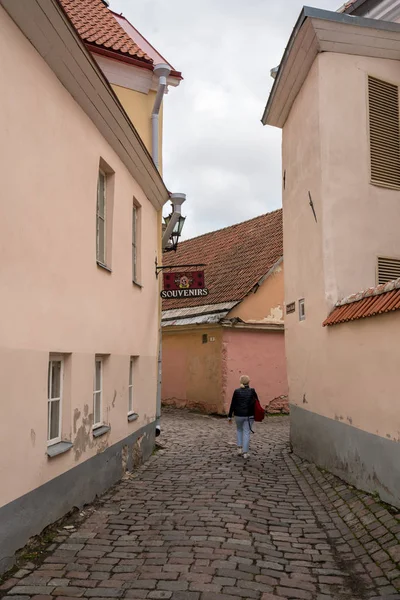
(102, 430)
(132, 417)
(59, 448)
(102, 266)
(137, 284)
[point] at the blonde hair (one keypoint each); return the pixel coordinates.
(244, 380)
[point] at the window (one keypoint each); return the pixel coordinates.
(134, 243)
(302, 310)
(101, 218)
(54, 399)
(384, 133)
(388, 269)
(98, 392)
(205, 338)
(130, 386)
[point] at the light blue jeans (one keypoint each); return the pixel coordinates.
(243, 432)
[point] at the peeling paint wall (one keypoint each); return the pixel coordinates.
(265, 303)
(54, 296)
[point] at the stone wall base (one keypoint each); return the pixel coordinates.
(365, 460)
(28, 515)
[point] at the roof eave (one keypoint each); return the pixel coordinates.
(49, 30)
(313, 16)
(174, 73)
(130, 60)
(289, 45)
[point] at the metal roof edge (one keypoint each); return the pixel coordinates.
(259, 326)
(195, 311)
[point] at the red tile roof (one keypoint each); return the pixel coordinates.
(236, 258)
(375, 301)
(98, 27)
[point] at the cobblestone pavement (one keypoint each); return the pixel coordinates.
(197, 522)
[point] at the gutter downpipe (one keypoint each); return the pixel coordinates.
(177, 201)
(162, 71)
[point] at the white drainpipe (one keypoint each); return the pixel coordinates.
(162, 71)
(176, 200)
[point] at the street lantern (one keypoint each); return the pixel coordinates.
(176, 232)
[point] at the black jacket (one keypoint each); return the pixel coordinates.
(243, 401)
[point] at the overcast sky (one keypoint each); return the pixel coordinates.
(215, 149)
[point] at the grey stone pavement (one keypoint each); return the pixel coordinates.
(197, 522)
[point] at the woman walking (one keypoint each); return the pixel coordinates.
(242, 406)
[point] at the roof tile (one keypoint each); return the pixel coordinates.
(375, 301)
(97, 25)
(236, 258)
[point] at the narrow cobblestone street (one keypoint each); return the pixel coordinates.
(197, 522)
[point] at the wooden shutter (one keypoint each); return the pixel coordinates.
(388, 269)
(384, 130)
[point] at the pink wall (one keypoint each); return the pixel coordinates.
(54, 296)
(261, 356)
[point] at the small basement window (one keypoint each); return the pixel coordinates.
(302, 310)
(388, 269)
(205, 338)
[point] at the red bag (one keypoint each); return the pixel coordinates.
(259, 412)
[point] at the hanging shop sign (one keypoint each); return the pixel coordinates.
(184, 284)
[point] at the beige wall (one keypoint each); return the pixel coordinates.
(192, 371)
(139, 107)
(54, 297)
(360, 219)
(267, 303)
(348, 372)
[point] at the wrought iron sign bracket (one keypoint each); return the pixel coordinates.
(161, 268)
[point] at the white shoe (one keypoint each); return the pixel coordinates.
(246, 455)
(239, 450)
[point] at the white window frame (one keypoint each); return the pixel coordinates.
(101, 217)
(130, 386)
(134, 243)
(302, 309)
(98, 393)
(52, 359)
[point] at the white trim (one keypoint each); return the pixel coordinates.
(129, 76)
(98, 392)
(124, 75)
(134, 243)
(302, 309)
(53, 358)
(130, 385)
(101, 217)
